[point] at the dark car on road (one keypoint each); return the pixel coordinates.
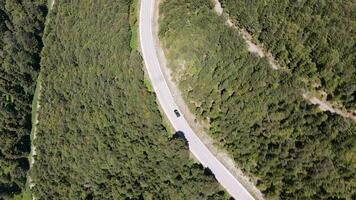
(176, 112)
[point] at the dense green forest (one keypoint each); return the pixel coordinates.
(313, 38)
(289, 147)
(21, 29)
(100, 134)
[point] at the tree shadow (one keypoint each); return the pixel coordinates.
(180, 135)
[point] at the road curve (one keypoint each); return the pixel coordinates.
(165, 99)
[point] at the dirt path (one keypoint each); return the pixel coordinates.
(252, 47)
(200, 128)
(33, 153)
(324, 105)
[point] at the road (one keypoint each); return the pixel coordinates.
(166, 101)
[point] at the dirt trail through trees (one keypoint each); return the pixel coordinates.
(34, 132)
(324, 105)
(35, 123)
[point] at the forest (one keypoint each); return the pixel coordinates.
(313, 38)
(21, 29)
(100, 133)
(290, 148)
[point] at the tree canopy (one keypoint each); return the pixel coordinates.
(100, 134)
(21, 28)
(313, 38)
(290, 148)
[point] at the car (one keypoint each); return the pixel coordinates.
(176, 112)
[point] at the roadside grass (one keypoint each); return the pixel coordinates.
(133, 24)
(133, 40)
(148, 84)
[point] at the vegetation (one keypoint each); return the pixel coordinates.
(133, 24)
(290, 148)
(100, 134)
(313, 38)
(21, 28)
(25, 195)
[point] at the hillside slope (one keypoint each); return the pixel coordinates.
(100, 134)
(315, 39)
(21, 29)
(292, 149)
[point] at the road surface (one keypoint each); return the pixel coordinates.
(165, 99)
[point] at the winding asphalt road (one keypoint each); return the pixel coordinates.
(165, 98)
